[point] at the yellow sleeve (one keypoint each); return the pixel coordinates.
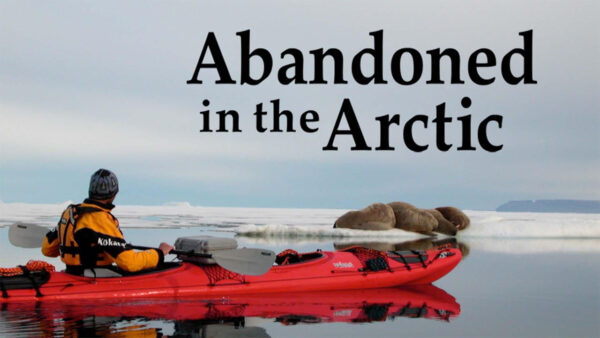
(50, 245)
(133, 261)
(100, 229)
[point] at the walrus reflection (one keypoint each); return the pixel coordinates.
(428, 243)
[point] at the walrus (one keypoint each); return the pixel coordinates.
(444, 226)
(455, 216)
(377, 216)
(411, 218)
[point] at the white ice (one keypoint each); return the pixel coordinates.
(495, 229)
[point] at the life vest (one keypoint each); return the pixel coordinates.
(70, 252)
(88, 235)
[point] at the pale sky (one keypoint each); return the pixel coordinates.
(90, 85)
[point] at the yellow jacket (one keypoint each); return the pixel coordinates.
(88, 235)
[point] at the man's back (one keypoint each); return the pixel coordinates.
(88, 235)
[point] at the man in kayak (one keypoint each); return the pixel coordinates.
(88, 235)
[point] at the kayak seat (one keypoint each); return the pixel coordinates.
(289, 256)
(101, 273)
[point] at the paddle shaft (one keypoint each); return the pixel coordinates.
(172, 252)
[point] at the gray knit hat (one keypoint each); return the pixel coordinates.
(103, 185)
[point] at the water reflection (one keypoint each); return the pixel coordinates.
(224, 316)
(429, 243)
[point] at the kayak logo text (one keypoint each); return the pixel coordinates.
(109, 242)
(343, 265)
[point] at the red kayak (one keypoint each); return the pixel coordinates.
(352, 268)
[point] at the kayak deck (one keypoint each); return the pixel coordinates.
(353, 268)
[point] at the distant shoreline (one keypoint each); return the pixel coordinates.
(558, 206)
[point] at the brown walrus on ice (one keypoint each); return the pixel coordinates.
(444, 226)
(455, 216)
(405, 216)
(411, 218)
(377, 216)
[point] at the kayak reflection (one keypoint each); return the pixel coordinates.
(226, 316)
(429, 243)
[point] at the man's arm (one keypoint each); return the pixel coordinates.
(116, 249)
(101, 232)
(50, 245)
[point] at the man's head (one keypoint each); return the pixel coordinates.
(103, 185)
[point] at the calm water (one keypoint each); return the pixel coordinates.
(541, 294)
